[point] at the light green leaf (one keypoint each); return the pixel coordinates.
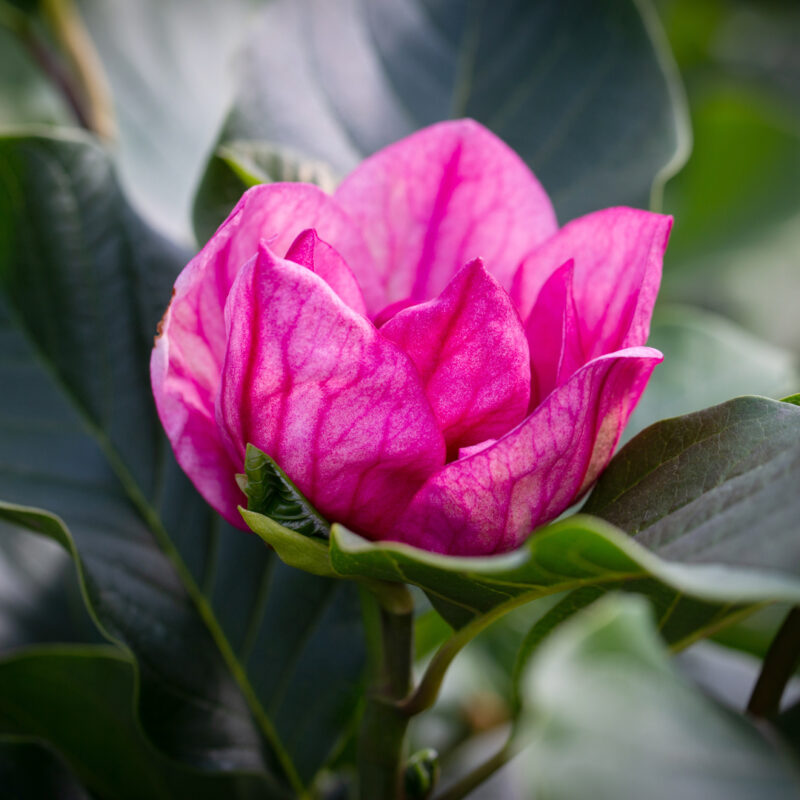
(293, 548)
(576, 552)
(608, 717)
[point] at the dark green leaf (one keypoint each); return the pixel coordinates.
(270, 492)
(788, 725)
(561, 82)
(30, 771)
(80, 701)
(229, 642)
(715, 487)
(40, 599)
(608, 717)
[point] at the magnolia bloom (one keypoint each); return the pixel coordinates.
(425, 353)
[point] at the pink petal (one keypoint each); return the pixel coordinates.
(187, 415)
(313, 384)
(618, 254)
(554, 335)
(187, 360)
(492, 500)
(310, 251)
(437, 199)
(469, 347)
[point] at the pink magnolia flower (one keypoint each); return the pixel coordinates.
(425, 353)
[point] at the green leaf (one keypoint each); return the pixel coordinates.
(270, 492)
(40, 599)
(794, 399)
(79, 701)
(715, 487)
(709, 563)
(576, 552)
(30, 771)
(294, 549)
(707, 360)
(229, 642)
(607, 716)
(559, 82)
(238, 165)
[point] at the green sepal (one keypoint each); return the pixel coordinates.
(271, 493)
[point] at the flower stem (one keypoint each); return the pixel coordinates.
(779, 665)
(381, 745)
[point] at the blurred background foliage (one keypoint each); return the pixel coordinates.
(736, 244)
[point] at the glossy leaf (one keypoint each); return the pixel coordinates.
(576, 552)
(675, 489)
(587, 557)
(212, 619)
(559, 82)
(43, 692)
(607, 716)
(717, 486)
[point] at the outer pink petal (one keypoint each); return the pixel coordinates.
(437, 199)
(314, 385)
(187, 360)
(318, 256)
(492, 500)
(554, 335)
(618, 254)
(187, 414)
(470, 349)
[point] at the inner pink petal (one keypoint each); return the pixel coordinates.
(310, 251)
(437, 199)
(470, 350)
